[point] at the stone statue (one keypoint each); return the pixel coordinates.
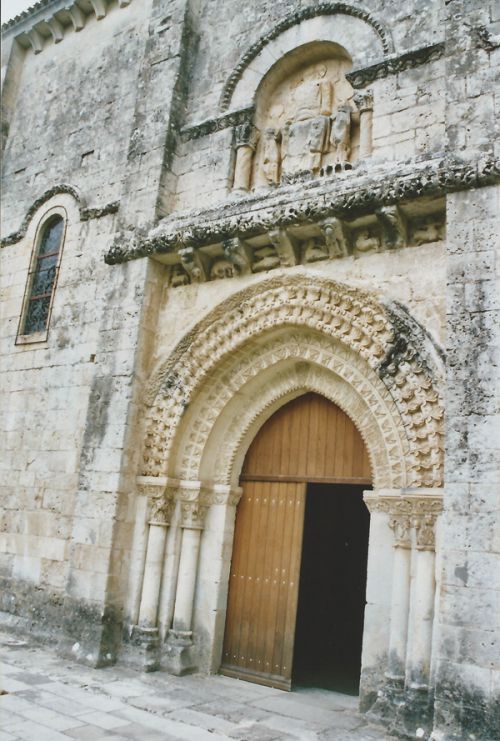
(271, 156)
(305, 135)
(340, 137)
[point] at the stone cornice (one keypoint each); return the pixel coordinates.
(359, 78)
(209, 125)
(356, 193)
(50, 19)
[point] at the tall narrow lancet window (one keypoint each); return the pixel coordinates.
(42, 278)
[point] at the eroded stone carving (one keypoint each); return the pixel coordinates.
(302, 203)
(308, 128)
(353, 318)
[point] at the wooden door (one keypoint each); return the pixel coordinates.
(307, 440)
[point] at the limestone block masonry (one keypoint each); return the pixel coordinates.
(256, 202)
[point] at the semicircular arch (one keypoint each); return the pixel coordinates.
(354, 28)
(345, 318)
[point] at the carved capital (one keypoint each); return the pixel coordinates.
(246, 135)
(401, 526)
(425, 531)
(193, 515)
(222, 494)
(161, 507)
(364, 100)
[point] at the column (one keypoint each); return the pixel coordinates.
(400, 603)
(161, 508)
(245, 144)
(422, 603)
(180, 659)
(364, 101)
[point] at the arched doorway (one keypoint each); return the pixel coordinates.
(298, 571)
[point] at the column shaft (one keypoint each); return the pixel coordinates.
(148, 610)
(400, 605)
(422, 605)
(188, 567)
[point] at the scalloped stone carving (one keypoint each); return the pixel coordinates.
(220, 355)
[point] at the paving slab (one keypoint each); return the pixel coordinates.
(49, 698)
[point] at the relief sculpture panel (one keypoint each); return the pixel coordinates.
(307, 126)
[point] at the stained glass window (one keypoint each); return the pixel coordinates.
(43, 277)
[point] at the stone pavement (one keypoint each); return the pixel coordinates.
(48, 698)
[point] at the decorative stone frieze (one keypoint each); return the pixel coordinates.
(417, 508)
(359, 194)
(359, 78)
(243, 117)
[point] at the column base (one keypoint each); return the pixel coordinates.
(148, 639)
(179, 653)
(415, 716)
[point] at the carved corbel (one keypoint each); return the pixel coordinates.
(99, 7)
(394, 226)
(56, 29)
(77, 16)
(123, 3)
(285, 246)
(36, 40)
(193, 264)
(336, 237)
(239, 253)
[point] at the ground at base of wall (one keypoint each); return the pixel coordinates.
(50, 699)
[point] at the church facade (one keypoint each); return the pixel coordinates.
(250, 345)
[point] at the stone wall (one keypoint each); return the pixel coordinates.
(127, 124)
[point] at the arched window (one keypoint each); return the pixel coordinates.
(42, 278)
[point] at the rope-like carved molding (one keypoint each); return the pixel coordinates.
(292, 20)
(234, 118)
(359, 78)
(349, 316)
(86, 213)
(331, 370)
(301, 203)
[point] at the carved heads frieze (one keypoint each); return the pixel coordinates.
(387, 228)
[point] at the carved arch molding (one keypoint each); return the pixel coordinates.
(282, 337)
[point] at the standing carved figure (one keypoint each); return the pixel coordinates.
(305, 135)
(271, 156)
(340, 137)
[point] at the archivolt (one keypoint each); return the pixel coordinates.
(382, 350)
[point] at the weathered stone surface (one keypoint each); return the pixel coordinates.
(292, 197)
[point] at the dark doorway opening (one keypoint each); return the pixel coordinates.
(331, 604)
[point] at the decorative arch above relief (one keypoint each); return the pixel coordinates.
(393, 350)
(382, 42)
